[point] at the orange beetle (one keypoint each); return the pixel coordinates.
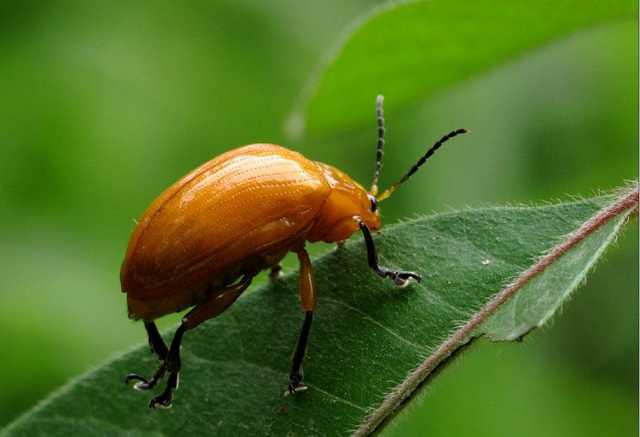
(232, 217)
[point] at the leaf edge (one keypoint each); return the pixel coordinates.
(624, 206)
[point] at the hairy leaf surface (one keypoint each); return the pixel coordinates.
(498, 271)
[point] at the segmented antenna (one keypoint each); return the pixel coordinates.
(422, 160)
(376, 175)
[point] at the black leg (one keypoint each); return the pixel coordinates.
(158, 347)
(399, 277)
(173, 365)
(170, 364)
(156, 343)
(143, 384)
(296, 375)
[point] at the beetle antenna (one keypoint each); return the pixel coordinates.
(421, 161)
(376, 175)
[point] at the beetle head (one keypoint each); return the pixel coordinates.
(347, 201)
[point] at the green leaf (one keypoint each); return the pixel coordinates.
(409, 50)
(498, 271)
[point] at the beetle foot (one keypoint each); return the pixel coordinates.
(143, 384)
(162, 401)
(402, 278)
(399, 277)
(295, 384)
(295, 388)
(134, 376)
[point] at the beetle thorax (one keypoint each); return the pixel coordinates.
(347, 201)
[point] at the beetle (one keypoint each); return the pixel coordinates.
(204, 239)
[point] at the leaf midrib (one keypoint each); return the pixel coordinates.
(460, 336)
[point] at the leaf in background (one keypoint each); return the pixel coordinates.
(498, 272)
(408, 50)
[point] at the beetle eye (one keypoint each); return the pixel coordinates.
(374, 203)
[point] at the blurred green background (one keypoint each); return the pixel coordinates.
(104, 105)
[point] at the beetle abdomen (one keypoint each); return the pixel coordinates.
(245, 202)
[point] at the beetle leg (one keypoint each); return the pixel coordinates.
(171, 364)
(276, 272)
(215, 304)
(143, 384)
(399, 277)
(158, 347)
(307, 287)
(297, 375)
(156, 343)
(212, 306)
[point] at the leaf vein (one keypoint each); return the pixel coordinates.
(368, 318)
(273, 371)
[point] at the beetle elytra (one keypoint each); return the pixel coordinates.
(201, 242)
